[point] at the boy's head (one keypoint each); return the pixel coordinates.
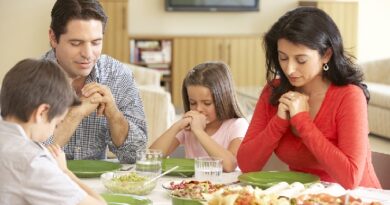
(33, 84)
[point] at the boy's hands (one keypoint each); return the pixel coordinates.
(57, 153)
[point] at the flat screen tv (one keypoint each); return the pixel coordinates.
(212, 5)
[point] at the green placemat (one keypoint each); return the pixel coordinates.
(186, 166)
(91, 168)
(267, 179)
(125, 199)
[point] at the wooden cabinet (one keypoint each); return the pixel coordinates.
(115, 41)
(244, 54)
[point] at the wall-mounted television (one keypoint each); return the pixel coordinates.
(212, 5)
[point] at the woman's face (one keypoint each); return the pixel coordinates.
(299, 63)
(201, 100)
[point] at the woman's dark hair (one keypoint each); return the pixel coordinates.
(314, 29)
(216, 77)
(31, 83)
(66, 10)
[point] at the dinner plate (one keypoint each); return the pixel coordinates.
(267, 179)
(91, 168)
(125, 199)
(185, 169)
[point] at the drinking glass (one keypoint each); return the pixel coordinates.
(208, 168)
(148, 162)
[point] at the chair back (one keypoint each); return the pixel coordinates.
(381, 164)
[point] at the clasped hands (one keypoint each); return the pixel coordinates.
(292, 103)
(193, 120)
(96, 96)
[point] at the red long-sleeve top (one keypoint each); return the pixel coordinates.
(333, 146)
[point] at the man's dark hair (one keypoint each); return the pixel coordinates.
(31, 83)
(66, 10)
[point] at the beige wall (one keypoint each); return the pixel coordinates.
(24, 25)
(374, 30)
(149, 17)
(24, 28)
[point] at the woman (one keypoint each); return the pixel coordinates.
(313, 111)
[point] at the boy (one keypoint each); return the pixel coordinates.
(35, 96)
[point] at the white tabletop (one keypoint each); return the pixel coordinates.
(159, 196)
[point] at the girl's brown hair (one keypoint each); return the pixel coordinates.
(215, 76)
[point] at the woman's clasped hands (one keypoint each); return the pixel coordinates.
(292, 103)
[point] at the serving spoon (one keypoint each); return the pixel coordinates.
(164, 173)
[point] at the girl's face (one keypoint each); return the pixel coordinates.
(201, 100)
(299, 63)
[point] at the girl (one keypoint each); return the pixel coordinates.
(213, 124)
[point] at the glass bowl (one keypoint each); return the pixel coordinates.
(127, 183)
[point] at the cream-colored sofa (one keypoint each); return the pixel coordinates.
(377, 78)
(159, 110)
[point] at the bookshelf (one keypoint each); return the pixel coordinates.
(154, 53)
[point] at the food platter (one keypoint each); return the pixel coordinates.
(91, 168)
(266, 179)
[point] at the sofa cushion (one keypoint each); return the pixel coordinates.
(379, 94)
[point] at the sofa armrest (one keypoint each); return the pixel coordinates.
(377, 71)
(379, 94)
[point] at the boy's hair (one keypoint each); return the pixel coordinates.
(31, 83)
(215, 76)
(66, 10)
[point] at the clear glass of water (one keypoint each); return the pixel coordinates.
(148, 162)
(208, 168)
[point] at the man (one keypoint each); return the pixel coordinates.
(111, 112)
(35, 96)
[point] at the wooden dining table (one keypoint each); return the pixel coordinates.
(160, 196)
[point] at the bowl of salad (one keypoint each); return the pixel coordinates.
(128, 183)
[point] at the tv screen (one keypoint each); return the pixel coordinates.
(212, 5)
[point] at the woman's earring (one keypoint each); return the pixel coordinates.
(325, 67)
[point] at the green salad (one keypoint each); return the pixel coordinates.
(131, 183)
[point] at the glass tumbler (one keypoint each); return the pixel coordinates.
(148, 162)
(208, 168)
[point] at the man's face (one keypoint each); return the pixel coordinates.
(79, 47)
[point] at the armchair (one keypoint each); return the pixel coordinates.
(158, 107)
(378, 82)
